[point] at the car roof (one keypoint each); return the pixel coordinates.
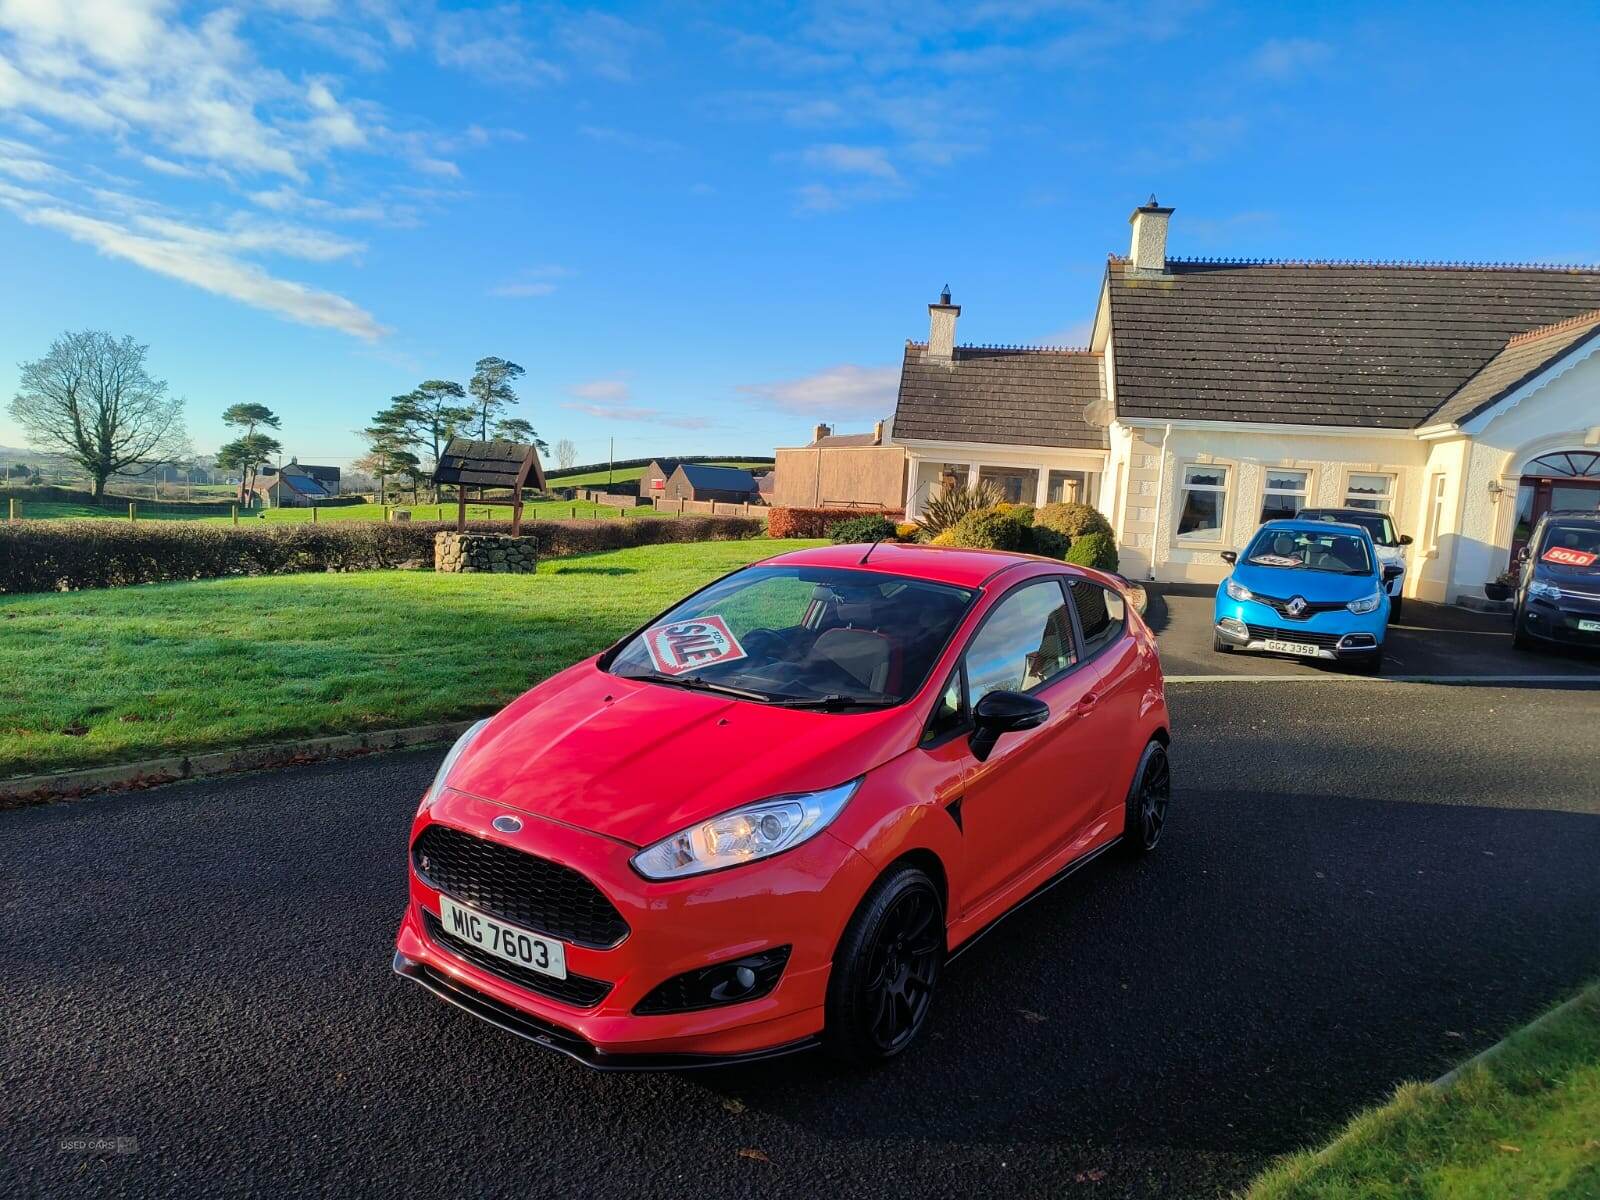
(1342, 512)
(1298, 525)
(935, 564)
(1572, 514)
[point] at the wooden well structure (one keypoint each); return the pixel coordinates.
(474, 468)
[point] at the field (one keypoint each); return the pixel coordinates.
(533, 510)
(632, 474)
(139, 672)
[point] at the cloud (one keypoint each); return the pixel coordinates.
(1283, 59)
(201, 258)
(639, 414)
(844, 390)
(851, 160)
(537, 281)
(24, 162)
(602, 44)
(630, 141)
(603, 389)
(493, 45)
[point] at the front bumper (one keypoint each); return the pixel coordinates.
(1558, 621)
(1340, 636)
(801, 899)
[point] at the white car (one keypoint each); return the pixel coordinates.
(1391, 547)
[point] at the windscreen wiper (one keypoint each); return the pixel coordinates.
(835, 702)
(702, 685)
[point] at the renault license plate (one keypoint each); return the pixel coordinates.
(1278, 647)
(519, 946)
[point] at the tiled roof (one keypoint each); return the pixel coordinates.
(493, 464)
(1379, 345)
(845, 439)
(1002, 394)
(1524, 356)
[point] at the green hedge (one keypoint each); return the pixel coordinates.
(49, 556)
(1097, 550)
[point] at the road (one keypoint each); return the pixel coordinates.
(1362, 882)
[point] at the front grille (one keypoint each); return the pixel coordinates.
(577, 990)
(1323, 641)
(1281, 607)
(520, 888)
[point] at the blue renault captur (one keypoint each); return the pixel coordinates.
(1309, 588)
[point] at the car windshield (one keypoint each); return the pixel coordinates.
(1376, 523)
(1575, 545)
(806, 637)
(1305, 550)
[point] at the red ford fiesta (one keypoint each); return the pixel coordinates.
(768, 818)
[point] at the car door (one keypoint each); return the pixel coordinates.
(1114, 669)
(1022, 802)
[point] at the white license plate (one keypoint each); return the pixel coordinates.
(1589, 626)
(503, 941)
(1278, 647)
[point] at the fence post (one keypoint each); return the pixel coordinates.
(131, 516)
(235, 509)
(314, 510)
(13, 508)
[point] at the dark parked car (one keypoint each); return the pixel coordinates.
(1558, 592)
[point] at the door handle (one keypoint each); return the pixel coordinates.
(1086, 703)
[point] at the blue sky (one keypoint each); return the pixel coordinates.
(703, 228)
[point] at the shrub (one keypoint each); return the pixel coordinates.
(48, 556)
(987, 529)
(814, 522)
(1023, 512)
(950, 505)
(907, 531)
(1074, 520)
(1096, 550)
(874, 528)
(1051, 543)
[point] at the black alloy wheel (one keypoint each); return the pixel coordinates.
(886, 969)
(1147, 801)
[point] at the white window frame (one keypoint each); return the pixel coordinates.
(1355, 499)
(1302, 493)
(1203, 537)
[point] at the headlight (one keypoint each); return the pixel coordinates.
(1544, 591)
(449, 763)
(1366, 604)
(758, 830)
(1237, 590)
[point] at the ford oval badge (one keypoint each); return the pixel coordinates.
(506, 824)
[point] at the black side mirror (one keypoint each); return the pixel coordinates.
(1230, 557)
(1405, 539)
(1391, 572)
(1004, 712)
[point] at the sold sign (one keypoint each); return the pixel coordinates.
(684, 645)
(1562, 556)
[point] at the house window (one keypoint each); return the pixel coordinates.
(1370, 491)
(1017, 485)
(935, 478)
(1284, 494)
(1070, 487)
(1205, 501)
(1435, 513)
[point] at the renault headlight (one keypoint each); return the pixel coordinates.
(1237, 590)
(1544, 591)
(449, 763)
(1366, 604)
(757, 830)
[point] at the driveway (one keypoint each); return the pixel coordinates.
(1429, 642)
(1362, 882)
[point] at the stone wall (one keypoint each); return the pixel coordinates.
(496, 553)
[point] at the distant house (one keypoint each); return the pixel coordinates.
(653, 482)
(842, 470)
(765, 482)
(296, 485)
(696, 481)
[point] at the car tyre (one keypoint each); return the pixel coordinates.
(1519, 634)
(885, 970)
(1220, 646)
(1148, 797)
(1371, 664)
(1396, 604)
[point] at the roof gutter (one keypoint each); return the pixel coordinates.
(1161, 496)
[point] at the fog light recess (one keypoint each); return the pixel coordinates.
(731, 982)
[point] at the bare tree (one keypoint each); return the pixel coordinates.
(566, 453)
(92, 398)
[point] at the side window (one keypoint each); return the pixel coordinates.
(1026, 641)
(950, 712)
(1101, 614)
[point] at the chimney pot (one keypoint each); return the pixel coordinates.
(820, 432)
(1148, 254)
(877, 433)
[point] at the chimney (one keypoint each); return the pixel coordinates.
(877, 433)
(820, 432)
(942, 327)
(1148, 254)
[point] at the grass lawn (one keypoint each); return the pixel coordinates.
(632, 474)
(53, 510)
(533, 510)
(141, 672)
(1525, 1125)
